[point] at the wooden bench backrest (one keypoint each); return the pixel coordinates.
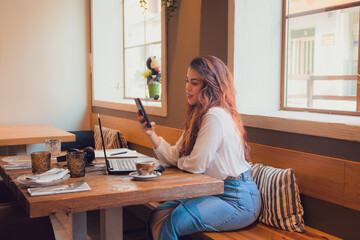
(330, 179)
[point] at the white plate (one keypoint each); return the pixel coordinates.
(23, 179)
(136, 176)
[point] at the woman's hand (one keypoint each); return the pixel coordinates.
(150, 132)
(144, 129)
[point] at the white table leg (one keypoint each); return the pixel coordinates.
(78, 226)
(111, 224)
(72, 226)
(60, 224)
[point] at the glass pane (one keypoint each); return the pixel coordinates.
(153, 21)
(322, 49)
(154, 50)
(134, 23)
(296, 6)
(135, 83)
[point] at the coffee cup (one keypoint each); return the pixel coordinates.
(145, 167)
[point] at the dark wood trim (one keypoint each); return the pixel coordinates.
(327, 77)
(330, 179)
(327, 9)
(331, 97)
(357, 113)
(335, 77)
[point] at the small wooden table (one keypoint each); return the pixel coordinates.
(110, 193)
(31, 134)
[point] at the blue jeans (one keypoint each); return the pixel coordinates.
(237, 208)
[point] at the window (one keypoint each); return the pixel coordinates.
(320, 56)
(256, 46)
(142, 38)
(122, 39)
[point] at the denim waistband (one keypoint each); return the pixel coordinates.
(245, 176)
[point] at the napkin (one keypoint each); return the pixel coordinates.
(40, 191)
(48, 176)
(126, 153)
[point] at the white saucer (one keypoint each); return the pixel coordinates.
(138, 177)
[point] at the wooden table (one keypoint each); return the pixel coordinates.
(110, 193)
(31, 134)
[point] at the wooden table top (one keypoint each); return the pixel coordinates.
(109, 191)
(31, 134)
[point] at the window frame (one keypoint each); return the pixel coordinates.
(158, 108)
(284, 41)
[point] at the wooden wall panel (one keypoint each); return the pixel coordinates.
(132, 132)
(330, 179)
(317, 176)
(352, 185)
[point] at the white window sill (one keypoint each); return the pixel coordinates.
(151, 107)
(315, 124)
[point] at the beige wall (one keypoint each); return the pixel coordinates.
(44, 63)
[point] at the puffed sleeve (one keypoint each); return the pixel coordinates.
(167, 153)
(207, 143)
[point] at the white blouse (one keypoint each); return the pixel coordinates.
(218, 150)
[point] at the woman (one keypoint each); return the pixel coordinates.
(213, 143)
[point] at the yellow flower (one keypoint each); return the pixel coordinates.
(146, 73)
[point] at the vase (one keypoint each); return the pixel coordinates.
(154, 89)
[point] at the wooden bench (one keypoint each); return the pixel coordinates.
(257, 231)
(314, 174)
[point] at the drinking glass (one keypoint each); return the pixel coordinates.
(40, 162)
(76, 162)
(54, 147)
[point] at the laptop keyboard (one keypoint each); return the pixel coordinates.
(122, 164)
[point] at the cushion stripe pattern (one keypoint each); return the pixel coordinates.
(281, 204)
(112, 138)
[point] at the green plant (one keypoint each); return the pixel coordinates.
(169, 5)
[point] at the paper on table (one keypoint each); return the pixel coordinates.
(129, 153)
(57, 190)
(17, 166)
(17, 162)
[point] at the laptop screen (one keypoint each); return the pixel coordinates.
(103, 142)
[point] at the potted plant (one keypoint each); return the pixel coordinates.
(153, 77)
(169, 5)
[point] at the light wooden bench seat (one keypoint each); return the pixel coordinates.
(261, 231)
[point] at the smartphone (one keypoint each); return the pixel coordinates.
(141, 108)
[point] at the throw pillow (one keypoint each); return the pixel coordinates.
(281, 204)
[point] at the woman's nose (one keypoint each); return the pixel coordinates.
(187, 87)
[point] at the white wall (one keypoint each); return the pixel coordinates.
(257, 51)
(44, 63)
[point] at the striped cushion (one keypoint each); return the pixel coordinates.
(281, 204)
(113, 138)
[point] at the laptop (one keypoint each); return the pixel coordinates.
(123, 165)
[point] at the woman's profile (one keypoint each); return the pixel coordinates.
(213, 143)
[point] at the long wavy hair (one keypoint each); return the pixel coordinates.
(218, 91)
